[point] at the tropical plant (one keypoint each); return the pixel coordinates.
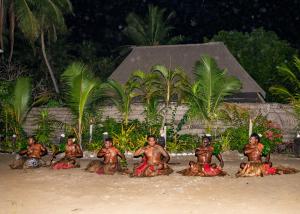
(122, 96)
(125, 140)
(170, 85)
(290, 75)
(207, 93)
(147, 91)
(81, 89)
(259, 52)
(18, 105)
(42, 19)
(154, 29)
(237, 135)
(45, 127)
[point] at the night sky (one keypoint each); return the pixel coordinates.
(103, 21)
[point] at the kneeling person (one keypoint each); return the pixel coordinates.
(255, 165)
(203, 166)
(72, 152)
(154, 161)
(30, 157)
(110, 164)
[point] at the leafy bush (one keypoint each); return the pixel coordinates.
(184, 143)
(239, 136)
(259, 52)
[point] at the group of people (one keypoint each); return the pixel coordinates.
(155, 159)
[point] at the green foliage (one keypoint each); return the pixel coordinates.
(237, 136)
(154, 29)
(81, 89)
(290, 74)
(259, 52)
(122, 96)
(45, 127)
(10, 146)
(208, 91)
(184, 143)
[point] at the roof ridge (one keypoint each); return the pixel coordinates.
(179, 45)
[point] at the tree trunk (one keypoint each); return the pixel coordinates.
(1, 24)
(48, 64)
(12, 22)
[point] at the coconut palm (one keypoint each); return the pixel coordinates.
(17, 106)
(42, 19)
(154, 29)
(292, 77)
(148, 92)
(81, 89)
(207, 93)
(122, 96)
(170, 85)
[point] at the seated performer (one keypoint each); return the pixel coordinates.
(110, 164)
(255, 165)
(154, 161)
(30, 157)
(72, 152)
(203, 166)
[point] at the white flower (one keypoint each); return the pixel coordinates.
(62, 135)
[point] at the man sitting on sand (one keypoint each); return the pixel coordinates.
(204, 167)
(110, 164)
(255, 166)
(30, 157)
(72, 152)
(154, 161)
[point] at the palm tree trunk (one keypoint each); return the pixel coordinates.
(47, 63)
(12, 22)
(1, 23)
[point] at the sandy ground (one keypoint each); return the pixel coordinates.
(75, 191)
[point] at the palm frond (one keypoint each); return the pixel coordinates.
(21, 98)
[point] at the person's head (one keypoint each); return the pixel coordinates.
(254, 138)
(71, 140)
(108, 142)
(31, 140)
(206, 140)
(194, 166)
(242, 165)
(151, 140)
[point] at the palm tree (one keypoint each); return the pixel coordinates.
(170, 85)
(290, 76)
(147, 91)
(208, 91)
(154, 29)
(18, 105)
(7, 9)
(122, 96)
(40, 19)
(82, 88)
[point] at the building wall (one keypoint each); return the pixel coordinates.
(279, 113)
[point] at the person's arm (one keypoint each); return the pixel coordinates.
(121, 155)
(219, 157)
(43, 150)
(139, 152)
(101, 153)
(268, 157)
(200, 151)
(23, 152)
(165, 155)
(248, 149)
(79, 153)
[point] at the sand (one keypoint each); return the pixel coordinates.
(75, 191)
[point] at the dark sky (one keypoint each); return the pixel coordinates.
(103, 21)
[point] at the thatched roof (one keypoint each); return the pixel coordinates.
(185, 56)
